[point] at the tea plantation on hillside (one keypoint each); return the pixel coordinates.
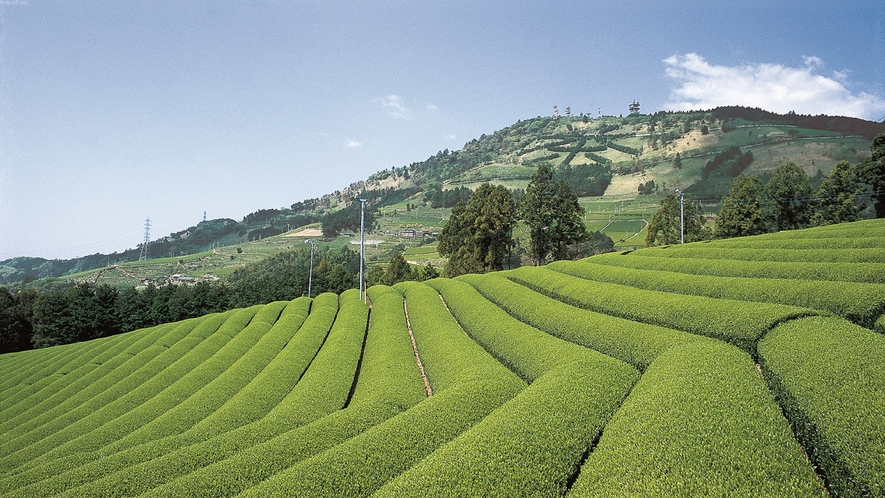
(741, 367)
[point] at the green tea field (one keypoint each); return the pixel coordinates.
(743, 367)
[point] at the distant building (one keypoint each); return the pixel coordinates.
(634, 107)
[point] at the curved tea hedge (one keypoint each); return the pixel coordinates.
(706, 369)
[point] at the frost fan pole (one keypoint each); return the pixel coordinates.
(362, 243)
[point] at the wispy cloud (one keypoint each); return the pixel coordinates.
(773, 87)
(352, 144)
(395, 107)
(432, 107)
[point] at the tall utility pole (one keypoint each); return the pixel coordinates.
(147, 240)
(362, 243)
(313, 245)
(681, 216)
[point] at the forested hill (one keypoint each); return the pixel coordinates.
(615, 156)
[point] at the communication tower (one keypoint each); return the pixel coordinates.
(634, 107)
(204, 215)
(147, 240)
(555, 111)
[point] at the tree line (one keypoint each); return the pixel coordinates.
(479, 236)
(33, 319)
(786, 201)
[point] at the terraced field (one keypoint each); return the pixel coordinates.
(743, 367)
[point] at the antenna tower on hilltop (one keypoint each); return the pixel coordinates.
(147, 240)
(555, 111)
(634, 107)
(204, 215)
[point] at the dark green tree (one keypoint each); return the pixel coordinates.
(745, 210)
(839, 196)
(478, 236)
(872, 171)
(553, 216)
(664, 226)
(397, 270)
(790, 194)
(15, 325)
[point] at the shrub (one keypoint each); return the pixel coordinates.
(20, 405)
(633, 342)
(532, 444)
(137, 397)
(700, 422)
(829, 375)
(461, 399)
(741, 323)
(858, 302)
(841, 272)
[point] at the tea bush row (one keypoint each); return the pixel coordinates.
(324, 388)
(526, 350)
(533, 444)
(741, 323)
(858, 302)
(22, 403)
(790, 244)
(873, 273)
(700, 422)
(704, 251)
(829, 375)
(176, 407)
(128, 398)
(388, 383)
(367, 461)
(26, 381)
(633, 342)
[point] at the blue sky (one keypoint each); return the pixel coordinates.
(112, 112)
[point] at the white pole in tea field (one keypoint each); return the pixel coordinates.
(362, 242)
(681, 219)
(313, 246)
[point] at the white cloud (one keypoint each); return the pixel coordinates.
(352, 144)
(772, 87)
(395, 107)
(432, 108)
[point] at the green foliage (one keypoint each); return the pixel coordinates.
(741, 323)
(525, 350)
(829, 376)
(873, 172)
(348, 218)
(664, 227)
(873, 273)
(585, 179)
(633, 342)
(745, 211)
(553, 216)
(838, 196)
(478, 237)
(700, 422)
(546, 429)
(858, 302)
(790, 194)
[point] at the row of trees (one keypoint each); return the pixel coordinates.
(786, 201)
(479, 237)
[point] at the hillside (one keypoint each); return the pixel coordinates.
(744, 367)
(605, 159)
